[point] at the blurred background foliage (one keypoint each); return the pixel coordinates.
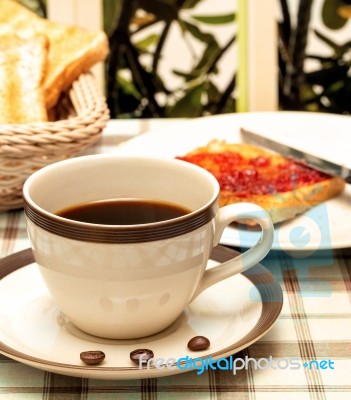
(135, 84)
(327, 86)
(136, 88)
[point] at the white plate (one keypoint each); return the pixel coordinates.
(324, 227)
(34, 332)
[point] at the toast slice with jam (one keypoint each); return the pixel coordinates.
(249, 174)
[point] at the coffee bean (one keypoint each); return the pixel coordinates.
(198, 343)
(93, 357)
(141, 356)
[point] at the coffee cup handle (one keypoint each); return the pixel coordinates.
(249, 258)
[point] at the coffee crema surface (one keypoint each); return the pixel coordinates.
(123, 212)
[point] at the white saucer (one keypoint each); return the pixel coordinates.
(232, 314)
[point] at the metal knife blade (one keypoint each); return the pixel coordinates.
(300, 156)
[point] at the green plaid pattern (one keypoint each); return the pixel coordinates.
(315, 324)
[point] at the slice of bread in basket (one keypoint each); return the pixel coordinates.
(72, 50)
(23, 63)
(249, 174)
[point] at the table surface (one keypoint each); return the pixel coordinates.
(315, 324)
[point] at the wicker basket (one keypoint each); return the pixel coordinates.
(80, 117)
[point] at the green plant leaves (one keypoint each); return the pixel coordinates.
(215, 19)
(128, 87)
(112, 10)
(196, 32)
(330, 16)
(146, 42)
(135, 84)
(207, 62)
(326, 88)
(189, 106)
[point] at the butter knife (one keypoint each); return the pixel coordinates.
(299, 156)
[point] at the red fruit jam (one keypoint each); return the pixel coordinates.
(256, 176)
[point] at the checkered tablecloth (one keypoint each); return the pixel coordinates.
(314, 328)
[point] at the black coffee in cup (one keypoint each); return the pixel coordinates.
(123, 212)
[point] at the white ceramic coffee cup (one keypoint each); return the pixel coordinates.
(130, 281)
